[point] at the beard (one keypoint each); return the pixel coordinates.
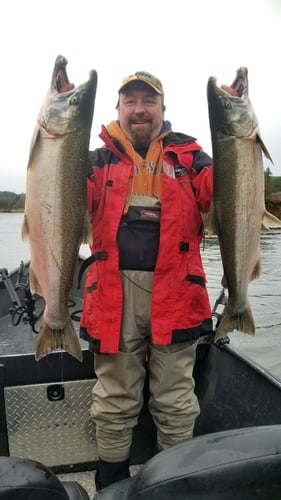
(141, 137)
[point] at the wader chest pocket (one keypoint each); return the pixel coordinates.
(138, 238)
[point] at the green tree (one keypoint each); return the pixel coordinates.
(267, 181)
(10, 201)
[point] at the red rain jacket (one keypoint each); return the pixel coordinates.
(180, 304)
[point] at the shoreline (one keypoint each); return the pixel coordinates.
(274, 207)
(13, 211)
(271, 205)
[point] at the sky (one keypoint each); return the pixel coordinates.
(183, 43)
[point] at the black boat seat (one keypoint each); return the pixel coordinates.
(24, 479)
(75, 491)
(240, 464)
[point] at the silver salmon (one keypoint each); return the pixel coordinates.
(238, 209)
(56, 220)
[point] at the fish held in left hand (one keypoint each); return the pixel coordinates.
(238, 208)
(56, 219)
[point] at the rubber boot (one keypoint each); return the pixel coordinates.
(110, 472)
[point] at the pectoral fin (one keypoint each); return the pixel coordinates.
(33, 145)
(264, 148)
(24, 229)
(87, 236)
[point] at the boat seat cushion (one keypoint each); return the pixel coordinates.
(228, 465)
(24, 479)
(75, 491)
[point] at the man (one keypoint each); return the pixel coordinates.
(145, 302)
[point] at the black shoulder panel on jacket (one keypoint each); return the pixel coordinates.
(99, 158)
(177, 138)
(201, 160)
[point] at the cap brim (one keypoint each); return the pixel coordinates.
(134, 80)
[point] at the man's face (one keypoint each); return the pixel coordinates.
(141, 114)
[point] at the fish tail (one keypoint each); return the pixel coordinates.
(242, 321)
(50, 340)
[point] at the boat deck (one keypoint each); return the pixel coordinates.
(44, 405)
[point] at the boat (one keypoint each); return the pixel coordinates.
(46, 429)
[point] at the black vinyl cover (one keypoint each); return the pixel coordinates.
(241, 464)
(22, 479)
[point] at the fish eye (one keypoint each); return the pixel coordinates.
(74, 99)
(227, 103)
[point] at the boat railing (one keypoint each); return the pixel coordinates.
(22, 305)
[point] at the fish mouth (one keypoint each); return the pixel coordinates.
(230, 109)
(238, 88)
(60, 81)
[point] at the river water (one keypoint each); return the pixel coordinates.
(264, 293)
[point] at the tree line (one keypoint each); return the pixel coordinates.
(12, 202)
(272, 184)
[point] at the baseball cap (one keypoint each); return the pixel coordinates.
(143, 76)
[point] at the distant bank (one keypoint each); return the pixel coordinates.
(11, 211)
(273, 204)
(274, 207)
(12, 203)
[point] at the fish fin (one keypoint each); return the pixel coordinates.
(269, 221)
(224, 282)
(242, 321)
(213, 228)
(34, 284)
(264, 148)
(210, 231)
(87, 235)
(256, 272)
(206, 219)
(33, 144)
(49, 340)
(24, 229)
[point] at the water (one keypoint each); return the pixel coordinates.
(12, 248)
(264, 293)
(265, 299)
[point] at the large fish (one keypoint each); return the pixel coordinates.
(238, 209)
(56, 219)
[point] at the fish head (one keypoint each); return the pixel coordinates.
(66, 108)
(230, 110)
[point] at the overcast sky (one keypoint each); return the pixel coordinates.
(182, 42)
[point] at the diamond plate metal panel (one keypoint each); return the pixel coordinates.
(51, 423)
